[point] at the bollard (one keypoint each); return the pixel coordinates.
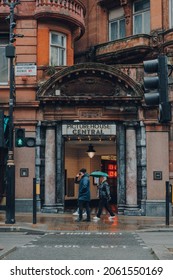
(34, 202)
(167, 203)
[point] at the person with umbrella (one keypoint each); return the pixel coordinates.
(104, 194)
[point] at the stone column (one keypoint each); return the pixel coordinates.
(141, 167)
(50, 205)
(131, 172)
(60, 171)
(121, 179)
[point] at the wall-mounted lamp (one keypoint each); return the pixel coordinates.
(90, 151)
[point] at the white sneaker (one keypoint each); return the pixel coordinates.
(77, 213)
(96, 218)
(111, 217)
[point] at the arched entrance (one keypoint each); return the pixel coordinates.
(90, 93)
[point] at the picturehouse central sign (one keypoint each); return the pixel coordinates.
(89, 129)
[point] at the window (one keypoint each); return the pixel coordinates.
(3, 59)
(116, 24)
(171, 13)
(117, 29)
(57, 49)
(141, 17)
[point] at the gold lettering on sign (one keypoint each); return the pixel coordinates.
(88, 129)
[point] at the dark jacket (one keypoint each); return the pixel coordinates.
(104, 190)
(84, 188)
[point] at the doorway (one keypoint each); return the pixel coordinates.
(76, 157)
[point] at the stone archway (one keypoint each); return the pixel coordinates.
(92, 91)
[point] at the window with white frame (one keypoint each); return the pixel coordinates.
(3, 59)
(171, 13)
(57, 49)
(116, 24)
(141, 17)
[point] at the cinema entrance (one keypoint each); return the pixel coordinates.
(119, 150)
(92, 146)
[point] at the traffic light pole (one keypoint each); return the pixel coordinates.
(10, 192)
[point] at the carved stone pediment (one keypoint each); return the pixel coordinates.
(91, 86)
(90, 81)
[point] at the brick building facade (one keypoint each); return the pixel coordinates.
(85, 87)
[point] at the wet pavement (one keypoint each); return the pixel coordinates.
(153, 230)
(67, 221)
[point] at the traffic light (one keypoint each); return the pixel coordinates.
(30, 142)
(1, 129)
(6, 130)
(156, 87)
(19, 137)
(22, 141)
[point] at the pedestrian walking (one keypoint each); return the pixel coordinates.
(104, 198)
(83, 194)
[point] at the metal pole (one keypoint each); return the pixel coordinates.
(10, 198)
(167, 203)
